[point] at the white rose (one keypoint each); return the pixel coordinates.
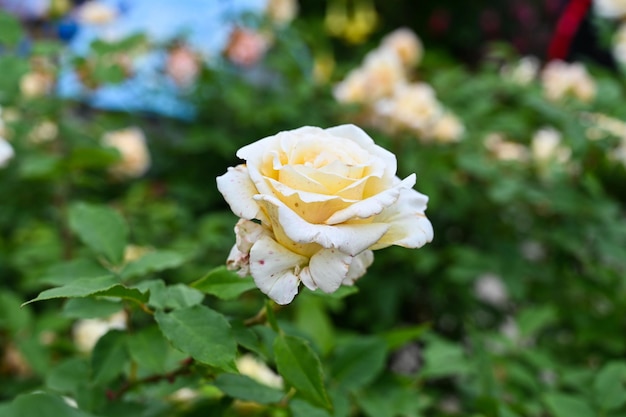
(322, 199)
(6, 152)
(610, 8)
(131, 144)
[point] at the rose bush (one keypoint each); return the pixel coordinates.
(313, 204)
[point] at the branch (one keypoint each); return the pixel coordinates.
(185, 369)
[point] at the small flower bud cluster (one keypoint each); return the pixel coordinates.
(561, 80)
(393, 103)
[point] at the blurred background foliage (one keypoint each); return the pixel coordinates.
(515, 309)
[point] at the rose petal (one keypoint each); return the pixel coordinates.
(327, 269)
(295, 177)
(238, 261)
(359, 136)
(312, 207)
(275, 269)
(238, 190)
(409, 226)
(328, 182)
(348, 238)
(256, 150)
(247, 232)
(373, 205)
(358, 267)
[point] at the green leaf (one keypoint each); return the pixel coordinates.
(125, 293)
(505, 411)
(342, 292)
(171, 297)
(36, 166)
(608, 386)
(6, 409)
(563, 405)
(107, 73)
(400, 337)
(106, 286)
(101, 228)
(68, 376)
(89, 308)
(152, 262)
(109, 357)
(12, 317)
(67, 272)
(533, 320)
(11, 32)
(181, 296)
(13, 67)
(358, 362)
(389, 398)
(301, 408)
(312, 319)
(224, 284)
(300, 367)
(47, 47)
(149, 349)
(245, 388)
(200, 332)
(442, 358)
(245, 336)
(42, 404)
(90, 157)
(78, 288)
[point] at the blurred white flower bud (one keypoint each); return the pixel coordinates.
(406, 44)
(282, 12)
(490, 289)
(87, 332)
(505, 150)
(96, 13)
(131, 144)
(252, 367)
(561, 79)
(44, 131)
(546, 146)
(522, 73)
(35, 84)
(6, 152)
